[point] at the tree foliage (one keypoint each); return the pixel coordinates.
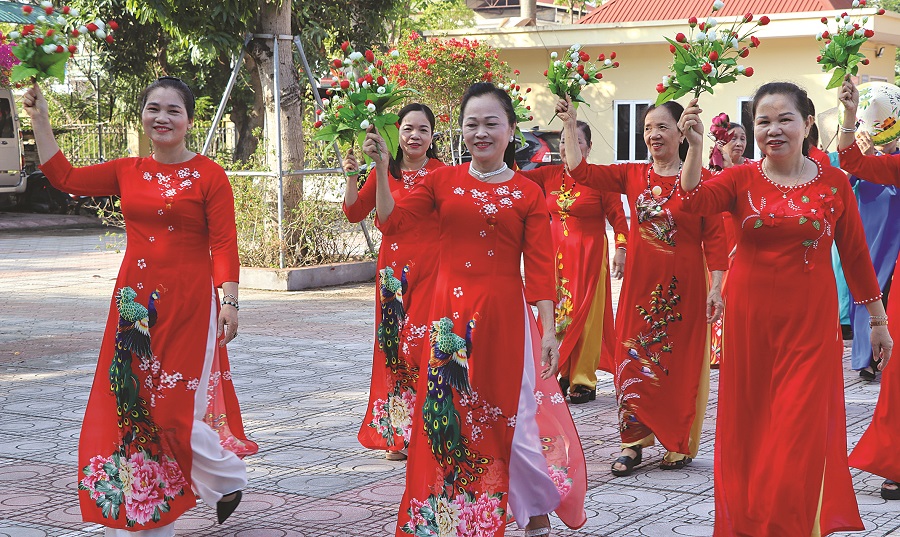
(441, 70)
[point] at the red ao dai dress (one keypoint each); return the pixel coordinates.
(662, 358)
(162, 421)
(489, 437)
(404, 290)
(781, 440)
(584, 316)
(877, 450)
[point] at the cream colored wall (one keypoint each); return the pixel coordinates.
(788, 52)
(642, 68)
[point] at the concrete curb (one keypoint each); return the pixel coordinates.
(31, 222)
(296, 279)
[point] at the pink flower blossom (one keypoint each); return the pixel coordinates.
(415, 516)
(561, 479)
(145, 495)
(172, 480)
(481, 518)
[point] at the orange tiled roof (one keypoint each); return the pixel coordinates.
(660, 10)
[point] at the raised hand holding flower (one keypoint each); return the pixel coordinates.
(840, 50)
(708, 56)
(361, 99)
(44, 45)
(569, 75)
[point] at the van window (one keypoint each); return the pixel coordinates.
(6, 119)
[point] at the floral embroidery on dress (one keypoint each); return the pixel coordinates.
(564, 308)
(560, 477)
(170, 186)
(648, 349)
(392, 417)
(411, 179)
(565, 198)
(491, 200)
(140, 473)
(818, 211)
(464, 514)
(655, 220)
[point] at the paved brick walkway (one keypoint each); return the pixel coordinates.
(301, 365)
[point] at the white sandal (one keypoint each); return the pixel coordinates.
(538, 532)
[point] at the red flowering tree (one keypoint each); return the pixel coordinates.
(441, 70)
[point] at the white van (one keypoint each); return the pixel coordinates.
(12, 176)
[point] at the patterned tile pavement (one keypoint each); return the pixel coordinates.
(301, 365)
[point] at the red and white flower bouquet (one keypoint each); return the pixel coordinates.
(44, 45)
(840, 50)
(709, 55)
(568, 75)
(361, 97)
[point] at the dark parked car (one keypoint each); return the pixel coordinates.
(541, 148)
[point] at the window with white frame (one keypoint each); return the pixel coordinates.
(745, 112)
(629, 140)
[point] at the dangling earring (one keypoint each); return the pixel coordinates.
(512, 138)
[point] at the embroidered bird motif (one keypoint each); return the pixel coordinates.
(132, 339)
(393, 315)
(448, 370)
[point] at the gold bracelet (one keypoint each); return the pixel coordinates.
(877, 322)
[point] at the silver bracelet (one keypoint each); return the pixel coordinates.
(848, 130)
(227, 302)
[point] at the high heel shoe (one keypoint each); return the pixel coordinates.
(225, 508)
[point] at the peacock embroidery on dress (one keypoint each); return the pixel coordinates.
(141, 473)
(455, 509)
(392, 416)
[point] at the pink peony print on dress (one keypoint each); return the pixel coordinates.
(460, 516)
(139, 482)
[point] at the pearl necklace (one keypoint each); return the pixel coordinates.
(486, 176)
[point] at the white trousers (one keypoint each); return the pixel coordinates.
(215, 471)
(531, 490)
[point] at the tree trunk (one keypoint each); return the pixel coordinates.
(275, 19)
(245, 119)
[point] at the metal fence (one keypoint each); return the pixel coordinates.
(87, 144)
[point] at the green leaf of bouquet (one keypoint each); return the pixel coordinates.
(57, 69)
(727, 78)
(391, 135)
(22, 72)
(836, 79)
(687, 80)
(666, 96)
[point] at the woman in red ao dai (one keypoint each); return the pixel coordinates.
(405, 285)
(492, 434)
(781, 385)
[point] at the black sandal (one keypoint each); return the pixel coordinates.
(675, 465)
(563, 385)
(579, 394)
(890, 494)
(628, 462)
(865, 374)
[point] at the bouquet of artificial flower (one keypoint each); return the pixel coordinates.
(718, 132)
(708, 56)
(361, 98)
(44, 45)
(518, 98)
(840, 50)
(568, 75)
